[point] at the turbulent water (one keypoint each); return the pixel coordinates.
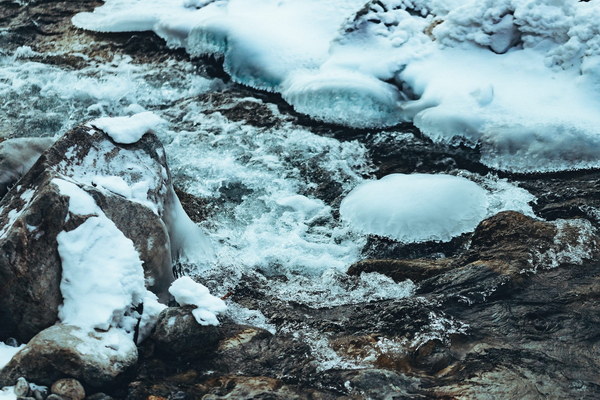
(270, 194)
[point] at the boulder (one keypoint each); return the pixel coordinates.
(178, 336)
(401, 270)
(129, 182)
(62, 351)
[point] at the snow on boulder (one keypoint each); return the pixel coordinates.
(127, 130)
(95, 358)
(112, 211)
(188, 292)
(423, 207)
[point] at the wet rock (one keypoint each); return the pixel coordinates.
(69, 389)
(97, 359)
(253, 387)
(34, 212)
(99, 396)
(400, 270)
(55, 397)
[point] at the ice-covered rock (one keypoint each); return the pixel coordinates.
(96, 358)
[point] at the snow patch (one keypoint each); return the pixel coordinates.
(188, 292)
(127, 130)
(7, 353)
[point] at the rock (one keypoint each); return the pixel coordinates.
(16, 158)
(97, 359)
(178, 335)
(55, 397)
(69, 389)
(400, 270)
(34, 212)
(99, 396)
(21, 387)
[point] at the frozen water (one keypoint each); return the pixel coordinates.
(519, 78)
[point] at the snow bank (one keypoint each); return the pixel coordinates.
(519, 78)
(6, 353)
(102, 276)
(127, 130)
(188, 292)
(424, 207)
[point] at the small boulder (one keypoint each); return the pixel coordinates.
(178, 335)
(69, 389)
(97, 358)
(401, 270)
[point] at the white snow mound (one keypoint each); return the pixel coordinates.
(188, 292)
(423, 207)
(127, 130)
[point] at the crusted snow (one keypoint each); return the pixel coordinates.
(102, 276)
(427, 207)
(127, 130)
(517, 77)
(188, 292)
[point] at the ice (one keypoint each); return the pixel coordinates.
(519, 78)
(427, 207)
(128, 130)
(188, 292)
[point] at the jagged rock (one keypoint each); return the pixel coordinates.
(62, 351)
(34, 212)
(16, 158)
(68, 388)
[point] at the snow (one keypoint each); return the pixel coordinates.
(102, 275)
(7, 393)
(127, 130)
(426, 207)
(519, 78)
(7, 352)
(188, 292)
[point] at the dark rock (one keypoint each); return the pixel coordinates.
(55, 397)
(400, 270)
(63, 351)
(34, 212)
(178, 335)
(68, 388)
(99, 396)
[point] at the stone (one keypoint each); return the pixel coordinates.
(178, 335)
(17, 156)
(96, 359)
(99, 396)
(21, 388)
(399, 270)
(34, 212)
(55, 397)
(68, 388)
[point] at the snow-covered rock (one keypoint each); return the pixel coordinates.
(187, 292)
(111, 209)
(96, 358)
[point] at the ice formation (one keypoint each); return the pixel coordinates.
(519, 78)
(425, 207)
(188, 292)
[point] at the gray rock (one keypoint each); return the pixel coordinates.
(68, 388)
(21, 387)
(67, 351)
(99, 396)
(17, 156)
(55, 397)
(34, 212)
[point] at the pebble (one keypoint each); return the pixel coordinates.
(21, 387)
(68, 389)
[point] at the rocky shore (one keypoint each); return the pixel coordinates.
(510, 310)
